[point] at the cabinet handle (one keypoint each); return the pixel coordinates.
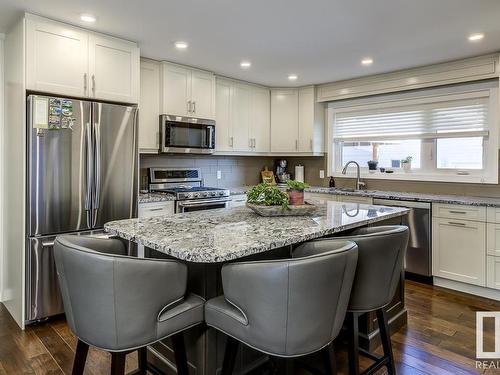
(250, 142)
(188, 105)
(84, 83)
(311, 144)
(194, 107)
(93, 84)
(296, 144)
(156, 209)
(457, 212)
(455, 223)
(230, 141)
(254, 143)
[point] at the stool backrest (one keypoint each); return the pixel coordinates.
(113, 301)
(293, 306)
(380, 264)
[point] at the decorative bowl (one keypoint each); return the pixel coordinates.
(299, 210)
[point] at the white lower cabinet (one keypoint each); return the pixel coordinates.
(493, 272)
(156, 209)
(320, 196)
(459, 250)
(238, 200)
(493, 239)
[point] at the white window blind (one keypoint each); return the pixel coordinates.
(431, 118)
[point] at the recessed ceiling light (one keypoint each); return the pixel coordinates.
(87, 18)
(245, 64)
(367, 61)
(476, 37)
(181, 45)
(292, 77)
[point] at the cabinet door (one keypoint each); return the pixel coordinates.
(203, 94)
(56, 58)
(459, 250)
(493, 272)
(176, 90)
(306, 119)
(114, 69)
(354, 199)
(284, 120)
(319, 196)
(260, 120)
(240, 117)
(493, 239)
(149, 107)
(223, 132)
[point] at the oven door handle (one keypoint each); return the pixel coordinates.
(203, 203)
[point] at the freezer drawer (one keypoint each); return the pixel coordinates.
(43, 295)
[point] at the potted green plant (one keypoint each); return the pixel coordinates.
(406, 164)
(267, 195)
(295, 190)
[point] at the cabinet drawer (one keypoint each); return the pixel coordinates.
(461, 212)
(319, 196)
(156, 209)
(459, 250)
(353, 199)
(493, 272)
(238, 200)
(493, 214)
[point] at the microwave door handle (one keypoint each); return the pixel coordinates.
(211, 137)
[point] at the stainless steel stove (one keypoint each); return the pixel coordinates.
(186, 184)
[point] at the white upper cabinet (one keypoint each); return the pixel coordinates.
(187, 92)
(202, 94)
(260, 120)
(56, 58)
(284, 120)
(243, 117)
(223, 128)
(240, 117)
(69, 61)
(114, 69)
(311, 121)
(149, 107)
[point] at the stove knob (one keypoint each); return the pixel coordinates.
(213, 194)
(196, 195)
(221, 193)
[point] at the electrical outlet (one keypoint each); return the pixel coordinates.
(321, 173)
(219, 175)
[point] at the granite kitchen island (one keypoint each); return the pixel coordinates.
(207, 239)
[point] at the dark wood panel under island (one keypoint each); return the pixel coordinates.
(205, 240)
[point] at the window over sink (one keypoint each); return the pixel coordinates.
(448, 133)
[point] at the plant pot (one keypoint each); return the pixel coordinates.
(406, 167)
(295, 197)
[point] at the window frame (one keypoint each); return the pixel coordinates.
(487, 175)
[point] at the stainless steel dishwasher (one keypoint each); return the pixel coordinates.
(419, 253)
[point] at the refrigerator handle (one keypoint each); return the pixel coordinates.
(97, 169)
(88, 166)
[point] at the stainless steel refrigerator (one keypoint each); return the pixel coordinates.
(82, 172)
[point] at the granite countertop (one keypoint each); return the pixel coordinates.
(155, 197)
(396, 195)
(417, 197)
(222, 235)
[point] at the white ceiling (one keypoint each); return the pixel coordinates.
(320, 40)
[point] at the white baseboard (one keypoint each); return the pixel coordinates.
(468, 288)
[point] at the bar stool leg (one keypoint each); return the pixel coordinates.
(118, 363)
(329, 360)
(230, 356)
(82, 350)
(143, 360)
(353, 342)
(180, 354)
(386, 340)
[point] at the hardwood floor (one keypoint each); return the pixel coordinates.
(438, 340)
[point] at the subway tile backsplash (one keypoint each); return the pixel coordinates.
(235, 170)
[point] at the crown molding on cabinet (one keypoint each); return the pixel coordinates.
(465, 70)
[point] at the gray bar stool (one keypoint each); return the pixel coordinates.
(120, 304)
(381, 257)
(285, 308)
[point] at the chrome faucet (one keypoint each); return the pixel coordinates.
(359, 184)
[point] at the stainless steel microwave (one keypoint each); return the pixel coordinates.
(186, 135)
